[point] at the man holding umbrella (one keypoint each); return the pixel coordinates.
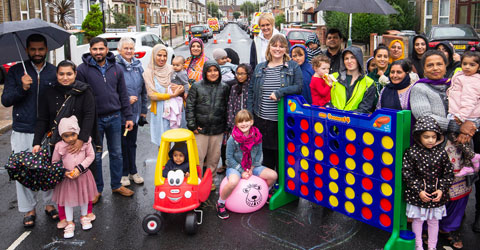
(24, 84)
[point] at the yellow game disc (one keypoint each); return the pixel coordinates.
(386, 189)
(350, 134)
(387, 158)
(350, 193)
(318, 127)
(367, 168)
(319, 155)
(291, 172)
(333, 173)
(305, 151)
(350, 163)
(350, 179)
(367, 198)
(333, 201)
(293, 106)
(304, 164)
(368, 138)
(387, 142)
(349, 207)
(333, 187)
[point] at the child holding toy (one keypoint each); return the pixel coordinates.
(244, 158)
(79, 188)
(428, 175)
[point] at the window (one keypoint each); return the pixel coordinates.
(38, 9)
(156, 40)
(443, 11)
(428, 15)
(24, 10)
(148, 41)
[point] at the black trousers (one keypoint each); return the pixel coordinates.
(129, 151)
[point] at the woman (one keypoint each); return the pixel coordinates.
(453, 66)
(381, 55)
(260, 42)
(354, 91)
(65, 98)
(157, 80)
(273, 79)
(420, 46)
(298, 53)
(232, 56)
(396, 48)
(132, 71)
(428, 98)
(196, 60)
(396, 94)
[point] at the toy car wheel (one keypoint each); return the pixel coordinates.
(191, 223)
(152, 223)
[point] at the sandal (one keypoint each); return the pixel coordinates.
(453, 238)
(53, 214)
(29, 220)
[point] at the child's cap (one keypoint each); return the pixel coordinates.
(69, 124)
(219, 53)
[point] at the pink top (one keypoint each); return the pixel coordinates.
(464, 96)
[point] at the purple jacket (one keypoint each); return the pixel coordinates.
(110, 90)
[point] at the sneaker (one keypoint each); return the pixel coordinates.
(123, 191)
(125, 181)
(465, 171)
(222, 211)
(62, 224)
(69, 231)
(92, 217)
(86, 222)
(213, 187)
(136, 178)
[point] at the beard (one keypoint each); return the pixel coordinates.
(37, 59)
(97, 59)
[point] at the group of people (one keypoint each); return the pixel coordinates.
(231, 107)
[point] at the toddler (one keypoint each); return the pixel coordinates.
(180, 76)
(428, 174)
(227, 69)
(464, 104)
(313, 47)
(79, 188)
(244, 158)
(178, 159)
(321, 83)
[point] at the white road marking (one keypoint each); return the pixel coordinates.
(19, 240)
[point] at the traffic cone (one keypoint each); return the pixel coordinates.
(186, 40)
(229, 39)
(214, 39)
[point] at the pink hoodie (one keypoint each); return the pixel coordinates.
(464, 96)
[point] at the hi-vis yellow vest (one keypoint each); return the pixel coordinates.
(339, 94)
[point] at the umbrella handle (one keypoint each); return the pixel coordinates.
(20, 54)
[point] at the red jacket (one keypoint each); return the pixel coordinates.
(320, 91)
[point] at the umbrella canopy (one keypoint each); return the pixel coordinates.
(357, 6)
(13, 37)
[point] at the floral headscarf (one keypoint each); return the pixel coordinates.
(194, 64)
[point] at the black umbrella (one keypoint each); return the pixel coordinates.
(357, 6)
(13, 37)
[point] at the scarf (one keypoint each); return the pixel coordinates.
(160, 73)
(246, 144)
(443, 81)
(390, 60)
(194, 64)
(390, 97)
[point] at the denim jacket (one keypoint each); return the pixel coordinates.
(291, 81)
(234, 155)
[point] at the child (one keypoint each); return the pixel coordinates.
(179, 75)
(227, 69)
(371, 65)
(321, 83)
(313, 47)
(244, 158)
(79, 187)
(298, 53)
(178, 159)
(464, 104)
(428, 174)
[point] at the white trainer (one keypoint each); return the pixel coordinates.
(86, 223)
(125, 181)
(136, 178)
(69, 231)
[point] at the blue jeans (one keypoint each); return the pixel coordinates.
(111, 127)
(256, 171)
(129, 151)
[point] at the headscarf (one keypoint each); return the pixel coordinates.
(153, 71)
(69, 124)
(390, 97)
(307, 73)
(233, 55)
(390, 60)
(414, 56)
(246, 144)
(194, 64)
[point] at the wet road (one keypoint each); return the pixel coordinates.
(299, 225)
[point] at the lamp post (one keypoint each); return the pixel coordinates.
(137, 15)
(170, 24)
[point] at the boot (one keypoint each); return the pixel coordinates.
(476, 224)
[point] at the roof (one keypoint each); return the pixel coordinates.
(310, 10)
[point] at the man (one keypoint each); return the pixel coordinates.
(100, 70)
(334, 49)
(21, 91)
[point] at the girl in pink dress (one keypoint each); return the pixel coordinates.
(79, 187)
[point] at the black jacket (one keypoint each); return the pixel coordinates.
(207, 104)
(452, 65)
(426, 169)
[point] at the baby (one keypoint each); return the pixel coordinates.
(178, 159)
(227, 69)
(179, 75)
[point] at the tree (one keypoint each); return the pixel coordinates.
(213, 10)
(122, 20)
(279, 19)
(248, 8)
(406, 18)
(63, 10)
(362, 24)
(92, 25)
(236, 14)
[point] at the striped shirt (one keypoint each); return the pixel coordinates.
(268, 107)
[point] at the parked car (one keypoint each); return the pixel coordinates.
(199, 31)
(144, 42)
(460, 35)
(296, 35)
(210, 31)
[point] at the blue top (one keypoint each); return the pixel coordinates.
(307, 73)
(234, 155)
